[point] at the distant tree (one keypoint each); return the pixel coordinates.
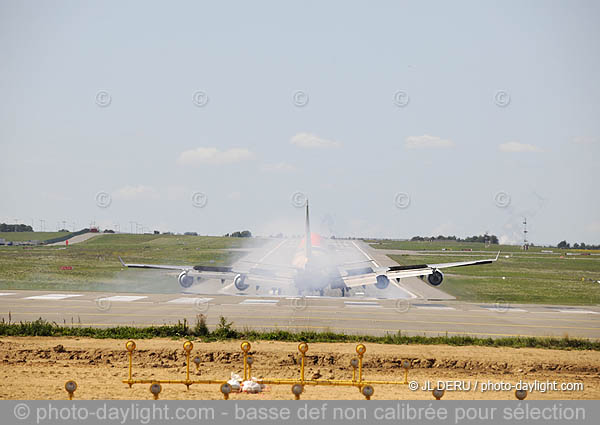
(15, 228)
(242, 234)
(476, 238)
(191, 233)
(109, 231)
(563, 245)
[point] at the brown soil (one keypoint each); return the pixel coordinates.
(37, 368)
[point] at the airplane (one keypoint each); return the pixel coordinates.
(312, 270)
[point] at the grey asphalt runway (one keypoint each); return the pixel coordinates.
(411, 306)
(355, 315)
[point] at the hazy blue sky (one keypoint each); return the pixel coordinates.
(502, 118)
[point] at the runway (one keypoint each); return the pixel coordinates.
(341, 252)
(411, 306)
(364, 316)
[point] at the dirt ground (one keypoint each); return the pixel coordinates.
(37, 368)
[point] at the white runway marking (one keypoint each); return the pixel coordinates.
(362, 304)
(258, 301)
(406, 291)
(123, 298)
(503, 310)
(3, 294)
(365, 254)
(52, 297)
(189, 300)
(579, 311)
(434, 307)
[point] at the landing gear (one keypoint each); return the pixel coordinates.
(343, 292)
(321, 292)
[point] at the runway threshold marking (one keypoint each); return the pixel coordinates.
(73, 304)
(259, 301)
(579, 311)
(189, 300)
(370, 304)
(502, 309)
(4, 294)
(76, 304)
(350, 319)
(123, 298)
(52, 297)
(433, 307)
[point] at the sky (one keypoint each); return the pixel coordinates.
(393, 118)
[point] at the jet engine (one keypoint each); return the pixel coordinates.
(382, 281)
(435, 278)
(185, 280)
(240, 282)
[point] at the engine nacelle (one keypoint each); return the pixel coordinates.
(436, 278)
(382, 281)
(185, 280)
(240, 282)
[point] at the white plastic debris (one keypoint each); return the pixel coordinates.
(252, 386)
(235, 382)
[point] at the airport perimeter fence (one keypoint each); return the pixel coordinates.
(64, 238)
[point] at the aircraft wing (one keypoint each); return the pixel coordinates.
(401, 272)
(202, 269)
(464, 263)
(154, 266)
(217, 272)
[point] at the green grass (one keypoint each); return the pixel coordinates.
(528, 278)
(225, 330)
(95, 264)
(30, 236)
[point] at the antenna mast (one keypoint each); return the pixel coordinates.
(525, 242)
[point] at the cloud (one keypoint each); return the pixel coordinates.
(139, 192)
(312, 141)
(279, 167)
(586, 140)
(518, 147)
(214, 156)
(426, 141)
